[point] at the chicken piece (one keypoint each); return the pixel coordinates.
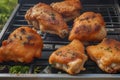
(106, 55)
(70, 58)
(43, 17)
(89, 26)
(22, 45)
(69, 9)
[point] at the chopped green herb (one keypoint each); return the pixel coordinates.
(37, 69)
(101, 47)
(58, 52)
(117, 48)
(108, 49)
(53, 16)
(19, 69)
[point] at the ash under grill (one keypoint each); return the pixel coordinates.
(111, 16)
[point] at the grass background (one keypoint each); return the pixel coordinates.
(6, 8)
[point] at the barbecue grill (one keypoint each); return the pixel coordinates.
(109, 9)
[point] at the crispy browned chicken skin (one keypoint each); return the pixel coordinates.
(106, 55)
(48, 20)
(23, 45)
(89, 26)
(69, 9)
(70, 58)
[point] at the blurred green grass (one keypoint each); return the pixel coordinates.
(6, 8)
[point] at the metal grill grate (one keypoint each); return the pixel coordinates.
(109, 12)
(52, 42)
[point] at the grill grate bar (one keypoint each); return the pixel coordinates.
(22, 15)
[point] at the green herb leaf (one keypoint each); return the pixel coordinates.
(37, 69)
(19, 69)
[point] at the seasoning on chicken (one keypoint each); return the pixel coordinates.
(69, 9)
(23, 45)
(43, 17)
(106, 54)
(89, 26)
(70, 58)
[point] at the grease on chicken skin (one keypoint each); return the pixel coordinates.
(106, 54)
(22, 45)
(89, 26)
(70, 58)
(43, 17)
(69, 9)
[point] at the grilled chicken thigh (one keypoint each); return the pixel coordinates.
(69, 9)
(70, 58)
(23, 45)
(106, 55)
(89, 26)
(43, 17)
